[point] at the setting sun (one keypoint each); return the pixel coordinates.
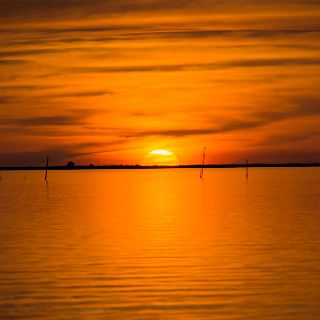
(161, 152)
(160, 157)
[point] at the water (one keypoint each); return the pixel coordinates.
(160, 244)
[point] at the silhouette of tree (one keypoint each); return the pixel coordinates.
(70, 164)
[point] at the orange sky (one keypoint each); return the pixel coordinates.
(106, 82)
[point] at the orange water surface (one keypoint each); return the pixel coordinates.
(160, 244)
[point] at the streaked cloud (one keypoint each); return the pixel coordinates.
(60, 9)
(248, 121)
(12, 62)
(246, 63)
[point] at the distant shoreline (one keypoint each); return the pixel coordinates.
(139, 167)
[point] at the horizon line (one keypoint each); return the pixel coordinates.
(182, 166)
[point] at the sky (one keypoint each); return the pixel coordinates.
(108, 82)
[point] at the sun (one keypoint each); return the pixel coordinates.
(161, 152)
(161, 157)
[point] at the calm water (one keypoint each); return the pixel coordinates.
(160, 244)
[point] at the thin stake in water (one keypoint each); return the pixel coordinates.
(45, 177)
(247, 169)
(203, 158)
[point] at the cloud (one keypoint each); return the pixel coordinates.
(17, 53)
(65, 120)
(20, 51)
(95, 93)
(305, 107)
(43, 10)
(37, 158)
(13, 62)
(279, 154)
(220, 33)
(59, 154)
(59, 9)
(6, 99)
(170, 132)
(242, 63)
(74, 117)
(28, 87)
(141, 30)
(105, 34)
(26, 98)
(51, 121)
(285, 139)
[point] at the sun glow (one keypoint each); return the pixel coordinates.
(161, 152)
(160, 157)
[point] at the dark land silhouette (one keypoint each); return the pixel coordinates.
(72, 166)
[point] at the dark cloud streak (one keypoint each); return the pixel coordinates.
(247, 63)
(65, 120)
(251, 121)
(13, 62)
(135, 33)
(43, 10)
(96, 93)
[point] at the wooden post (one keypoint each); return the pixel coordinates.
(203, 158)
(45, 177)
(247, 169)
